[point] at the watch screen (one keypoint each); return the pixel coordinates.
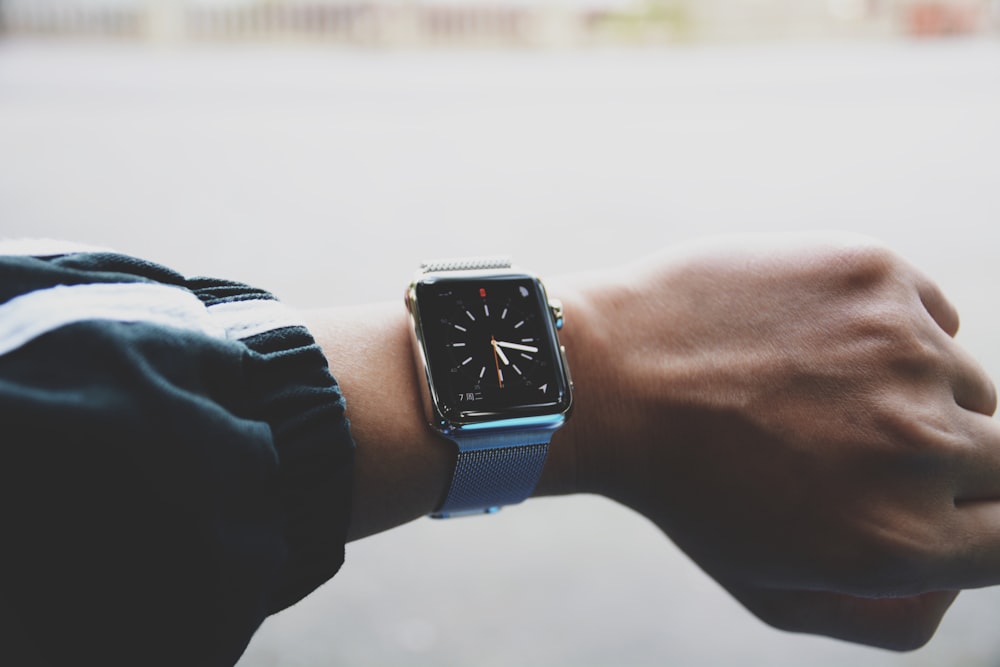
(491, 347)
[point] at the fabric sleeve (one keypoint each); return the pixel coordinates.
(176, 462)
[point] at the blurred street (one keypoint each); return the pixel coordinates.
(327, 174)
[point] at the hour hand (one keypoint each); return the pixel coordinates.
(498, 346)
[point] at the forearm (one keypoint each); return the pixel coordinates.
(401, 468)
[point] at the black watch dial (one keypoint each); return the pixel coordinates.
(491, 347)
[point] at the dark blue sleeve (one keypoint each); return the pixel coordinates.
(176, 462)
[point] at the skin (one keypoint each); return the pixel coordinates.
(792, 411)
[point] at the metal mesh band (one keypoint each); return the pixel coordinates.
(486, 479)
(466, 264)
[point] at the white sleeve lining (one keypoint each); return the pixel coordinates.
(26, 317)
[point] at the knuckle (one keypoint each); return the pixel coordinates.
(895, 544)
(903, 555)
(864, 265)
(991, 398)
(889, 571)
(914, 355)
(932, 435)
(913, 410)
(898, 343)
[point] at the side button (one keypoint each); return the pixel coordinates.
(569, 376)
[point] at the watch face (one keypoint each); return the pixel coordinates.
(491, 348)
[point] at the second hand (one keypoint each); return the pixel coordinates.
(496, 360)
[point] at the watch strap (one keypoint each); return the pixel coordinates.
(496, 466)
(465, 264)
(486, 479)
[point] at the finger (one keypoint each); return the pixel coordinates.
(972, 386)
(976, 470)
(970, 555)
(900, 624)
(937, 305)
(975, 558)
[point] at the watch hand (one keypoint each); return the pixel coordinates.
(493, 342)
(499, 351)
(516, 346)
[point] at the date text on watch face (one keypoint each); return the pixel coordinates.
(491, 348)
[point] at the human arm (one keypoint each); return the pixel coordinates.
(176, 463)
(784, 408)
(785, 412)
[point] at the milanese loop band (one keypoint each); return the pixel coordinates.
(466, 264)
(486, 479)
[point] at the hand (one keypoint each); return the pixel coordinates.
(795, 414)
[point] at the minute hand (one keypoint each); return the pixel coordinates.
(516, 346)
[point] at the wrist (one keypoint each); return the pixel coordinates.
(585, 456)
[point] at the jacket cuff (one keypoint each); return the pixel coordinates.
(294, 392)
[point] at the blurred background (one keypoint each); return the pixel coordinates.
(497, 22)
(322, 149)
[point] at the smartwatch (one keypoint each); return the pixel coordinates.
(495, 379)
